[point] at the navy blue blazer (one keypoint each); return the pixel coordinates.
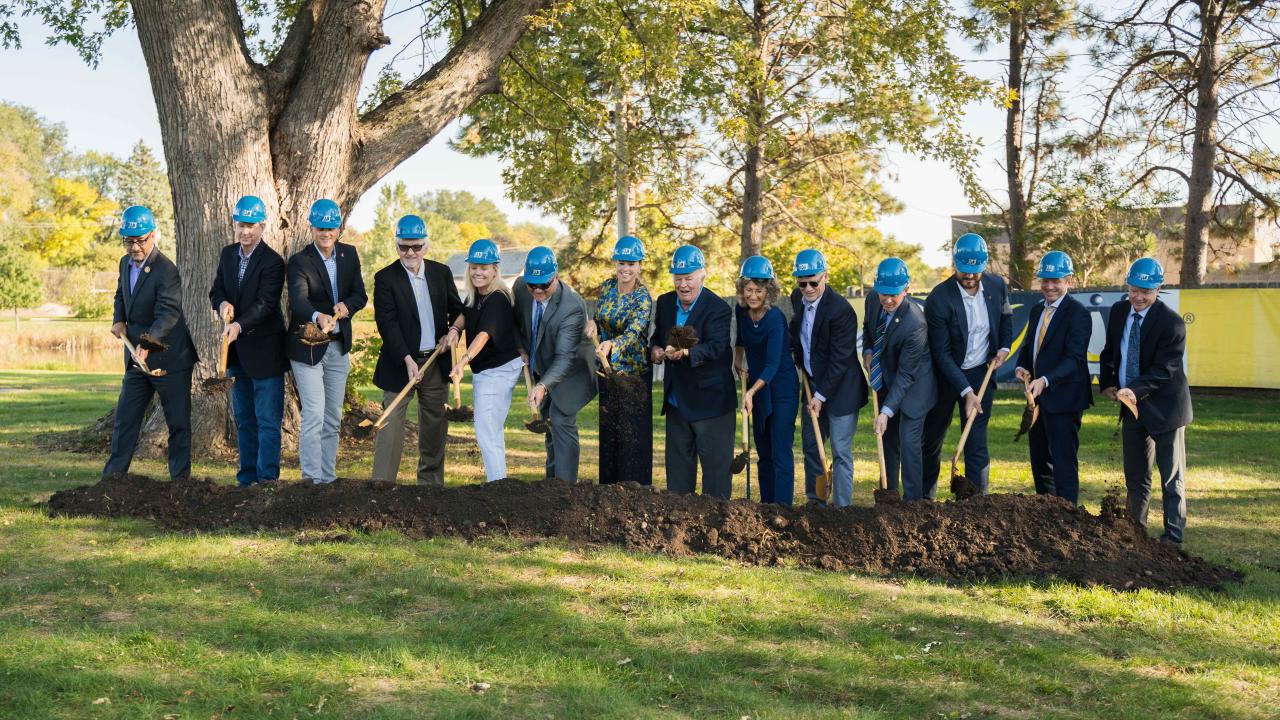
(949, 326)
(309, 292)
(1064, 356)
(1164, 397)
(905, 364)
(703, 382)
(833, 352)
(260, 348)
(154, 307)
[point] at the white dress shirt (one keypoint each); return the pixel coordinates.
(1044, 324)
(426, 318)
(975, 313)
(806, 333)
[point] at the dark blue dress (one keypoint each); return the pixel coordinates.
(774, 408)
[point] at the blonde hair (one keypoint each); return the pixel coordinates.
(498, 285)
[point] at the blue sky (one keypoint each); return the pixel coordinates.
(110, 108)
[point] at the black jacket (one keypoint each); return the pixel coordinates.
(396, 313)
(309, 293)
(1064, 356)
(154, 307)
(833, 352)
(703, 382)
(949, 327)
(907, 368)
(1164, 398)
(260, 348)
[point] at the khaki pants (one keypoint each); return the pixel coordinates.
(432, 393)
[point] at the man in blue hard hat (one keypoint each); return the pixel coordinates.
(895, 347)
(246, 295)
(148, 303)
(325, 288)
(551, 320)
(417, 307)
(824, 339)
(970, 334)
(1054, 363)
(699, 397)
(1141, 365)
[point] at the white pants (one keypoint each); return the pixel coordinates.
(321, 390)
(492, 389)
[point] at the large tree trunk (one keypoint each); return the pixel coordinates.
(1195, 234)
(753, 168)
(1019, 268)
(288, 132)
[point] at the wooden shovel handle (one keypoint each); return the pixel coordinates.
(742, 410)
(528, 391)
(133, 353)
(968, 423)
(222, 356)
(875, 413)
(813, 416)
(395, 403)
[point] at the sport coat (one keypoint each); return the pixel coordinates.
(949, 326)
(563, 361)
(702, 382)
(260, 347)
(833, 352)
(396, 313)
(309, 292)
(905, 365)
(1164, 397)
(154, 307)
(1064, 356)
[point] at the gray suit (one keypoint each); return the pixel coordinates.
(562, 363)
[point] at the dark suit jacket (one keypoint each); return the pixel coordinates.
(563, 362)
(309, 292)
(703, 382)
(396, 313)
(833, 352)
(907, 368)
(155, 308)
(1164, 398)
(949, 326)
(1064, 356)
(260, 348)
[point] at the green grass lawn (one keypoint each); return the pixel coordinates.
(115, 619)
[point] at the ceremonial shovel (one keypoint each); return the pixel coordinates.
(458, 412)
(961, 486)
(381, 422)
(536, 423)
(142, 364)
(222, 382)
(1030, 413)
(743, 458)
(875, 413)
(822, 483)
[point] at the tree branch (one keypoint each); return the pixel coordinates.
(407, 120)
(283, 70)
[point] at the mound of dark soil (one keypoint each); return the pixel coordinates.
(981, 538)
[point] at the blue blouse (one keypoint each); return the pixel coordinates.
(624, 319)
(769, 357)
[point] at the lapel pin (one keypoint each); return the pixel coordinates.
(146, 269)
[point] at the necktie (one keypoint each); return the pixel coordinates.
(244, 265)
(537, 321)
(1044, 325)
(877, 374)
(1131, 357)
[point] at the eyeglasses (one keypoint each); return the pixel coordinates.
(807, 283)
(127, 242)
(410, 248)
(538, 286)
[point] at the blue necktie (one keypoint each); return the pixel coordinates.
(537, 321)
(1131, 359)
(877, 374)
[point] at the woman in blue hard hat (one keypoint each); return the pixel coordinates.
(626, 408)
(773, 390)
(494, 353)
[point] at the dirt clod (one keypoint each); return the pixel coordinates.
(985, 537)
(682, 337)
(311, 334)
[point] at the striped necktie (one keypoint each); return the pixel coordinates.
(877, 373)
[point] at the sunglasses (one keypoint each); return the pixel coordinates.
(410, 248)
(807, 283)
(538, 286)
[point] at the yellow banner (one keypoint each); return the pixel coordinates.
(1233, 336)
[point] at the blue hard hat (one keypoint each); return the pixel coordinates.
(628, 249)
(540, 265)
(892, 276)
(757, 267)
(1146, 273)
(411, 227)
(325, 214)
(687, 259)
(483, 252)
(250, 209)
(137, 221)
(809, 262)
(970, 253)
(1055, 264)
